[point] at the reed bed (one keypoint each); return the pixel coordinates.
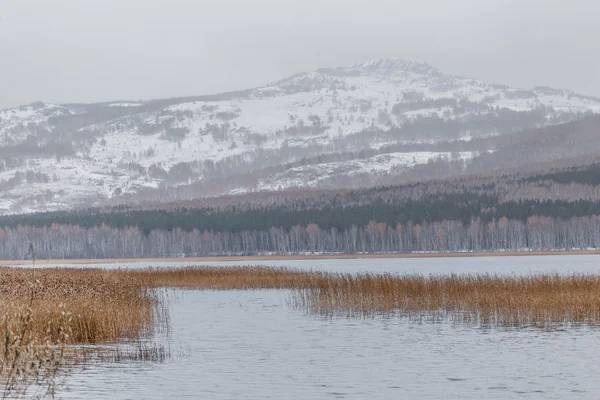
(220, 278)
(537, 300)
(99, 305)
(93, 305)
(44, 312)
(540, 300)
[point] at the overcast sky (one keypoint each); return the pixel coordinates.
(101, 50)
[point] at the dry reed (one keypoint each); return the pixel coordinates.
(540, 300)
(219, 278)
(101, 305)
(44, 310)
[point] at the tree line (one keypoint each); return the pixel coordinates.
(460, 206)
(535, 233)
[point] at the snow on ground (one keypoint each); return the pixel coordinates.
(311, 114)
(14, 123)
(312, 175)
(125, 105)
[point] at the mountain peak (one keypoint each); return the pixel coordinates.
(386, 67)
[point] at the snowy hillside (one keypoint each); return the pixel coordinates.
(286, 134)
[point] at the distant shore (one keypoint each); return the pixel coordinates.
(301, 257)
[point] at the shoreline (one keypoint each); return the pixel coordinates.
(302, 257)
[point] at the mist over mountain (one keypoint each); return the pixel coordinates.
(388, 121)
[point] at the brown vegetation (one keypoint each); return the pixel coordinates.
(219, 278)
(45, 311)
(100, 305)
(541, 300)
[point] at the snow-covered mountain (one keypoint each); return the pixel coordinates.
(333, 126)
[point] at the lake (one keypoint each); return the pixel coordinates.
(254, 345)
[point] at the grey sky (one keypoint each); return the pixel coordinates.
(100, 50)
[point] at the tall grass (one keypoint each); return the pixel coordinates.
(541, 300)
(220, 278)
(101, 306)
(27, 357)
(43, 312)
(537, 300)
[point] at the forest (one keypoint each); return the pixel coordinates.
(457, 215)
(71, 241)
(557, 208)
(462, 208)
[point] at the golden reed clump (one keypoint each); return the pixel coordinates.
(220, 278)
(540, 300)
(101, 305)
(43, 311)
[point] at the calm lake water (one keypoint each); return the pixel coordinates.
(254, 345)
